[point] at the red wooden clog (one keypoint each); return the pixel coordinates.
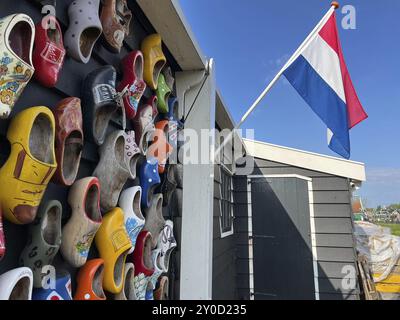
(49, 51)
(132, 66)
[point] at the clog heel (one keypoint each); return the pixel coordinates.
(90, 281)
(154, 59)
(16, 284)
(113, 244)
(44, 240)
(79, 231)
(69, 140)
(30, 166)
(17, 34)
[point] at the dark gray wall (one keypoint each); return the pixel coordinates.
(333, 221)
(69, 84)
(224, 251)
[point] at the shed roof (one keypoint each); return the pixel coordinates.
(307, 160)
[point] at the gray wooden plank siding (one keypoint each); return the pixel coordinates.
(224, 251)
(333, 223)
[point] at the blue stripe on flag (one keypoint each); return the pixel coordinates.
(324, 101)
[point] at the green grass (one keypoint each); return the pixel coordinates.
(394, 227)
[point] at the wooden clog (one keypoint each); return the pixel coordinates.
(80, 230)
(144, 267)
(154, 218)
(160, 148)
(17, 34)
(154, 59)
(115, 18)
(128, 290)
(30, 166)
(166, 243)
(113, 244)
(84, 29)
(90, 281)
(62, 290)
(16, 284)
(163, 92)
(69, 140)
(44, 240)
(161, 293)
(49, 52)
(129, 202)
(149, 180)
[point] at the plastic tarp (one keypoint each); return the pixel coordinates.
(379, 246)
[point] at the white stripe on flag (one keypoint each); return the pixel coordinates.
(330, 136)
(326, 63)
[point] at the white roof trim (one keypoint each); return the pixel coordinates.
(308, 160)
(167, 18)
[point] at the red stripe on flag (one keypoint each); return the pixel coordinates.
(355, 111)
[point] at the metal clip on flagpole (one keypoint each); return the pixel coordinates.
(334, 5)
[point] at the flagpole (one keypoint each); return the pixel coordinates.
(334, 5)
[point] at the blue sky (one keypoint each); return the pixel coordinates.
(251, 39)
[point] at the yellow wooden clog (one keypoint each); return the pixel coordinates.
(154, 59)
(113, 243)
(30, 166)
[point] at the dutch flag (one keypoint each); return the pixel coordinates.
(319, 74)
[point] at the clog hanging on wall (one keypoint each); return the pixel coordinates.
(154, 59)
(129, 202)
(160, 148)
(49, 51)
(128, 289)
(115, 18)
(30, 166)
(163, 93)
(166, 243)
(80, 230)
(144, 267)
(161, 293)
(84, 29)
(99, 104)
(149, 180)
(158, 268)
(16, 284)
(62, 290)
(174, 124)
(90, 281)
(172, 179)
(132, 153)
(69, 140)
(2, 237)
(44, 240)
(154, 218)
(113, 244)
(17, 34)
(169, 78)
(143, 123)
(132, 66)
(112, 169)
